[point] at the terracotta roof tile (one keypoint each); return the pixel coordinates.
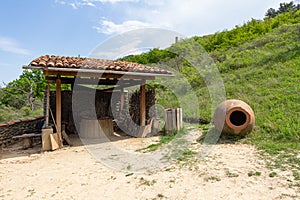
(92, 63)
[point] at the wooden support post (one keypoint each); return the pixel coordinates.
(58, 109)
(47, 104)
(143, 105)
(122, 100)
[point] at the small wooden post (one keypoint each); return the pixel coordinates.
(47, 103)
(180, 118)
(178, 125)
(173, 119)
(143, 104)
(168, 120)
(58, 109)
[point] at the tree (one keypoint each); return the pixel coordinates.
(283, 8)
(271, 13)
(286, 7)
(24, 90)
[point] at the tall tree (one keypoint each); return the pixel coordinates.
(283, 8)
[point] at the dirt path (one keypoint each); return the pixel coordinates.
(231, 171)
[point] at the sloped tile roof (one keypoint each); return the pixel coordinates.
(92, 63)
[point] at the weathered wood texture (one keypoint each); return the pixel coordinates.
(47, 107)
(173, 119)
(96, 129)
(58, 111)
(27, 139)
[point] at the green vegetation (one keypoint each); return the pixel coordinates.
(146, 182)
(259, 64)
(186, 154)
(272, 174)
(163, 139)
(283, 8)
(252, 173)
(22, 97)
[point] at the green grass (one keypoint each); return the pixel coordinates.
(252, 173)
(261, 69)
(186, 154)
(272, 174)
(163, 139)
(265, 74)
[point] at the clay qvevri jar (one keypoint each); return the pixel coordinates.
(234, 117)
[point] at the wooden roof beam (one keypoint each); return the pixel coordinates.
(87, 81)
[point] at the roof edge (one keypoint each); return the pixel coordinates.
(97, 71)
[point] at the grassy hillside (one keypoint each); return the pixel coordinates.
(265, 73)
(259, 64)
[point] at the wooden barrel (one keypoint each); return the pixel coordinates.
(173, 119)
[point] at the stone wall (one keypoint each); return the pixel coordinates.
(18, 127)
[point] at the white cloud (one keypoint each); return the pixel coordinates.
(113, 52)
(60, 2)
(113, 1)
(11, 46)
(134, 42)
(194, 17)
(190, 17)
(75, 4)
(109, 27)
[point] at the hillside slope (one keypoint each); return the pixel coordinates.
(265, 73)
(263, 70)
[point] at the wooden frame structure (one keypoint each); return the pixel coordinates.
(59, 75)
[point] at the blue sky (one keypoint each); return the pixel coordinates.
(31, 28)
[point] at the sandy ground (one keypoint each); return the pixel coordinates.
(228, 172)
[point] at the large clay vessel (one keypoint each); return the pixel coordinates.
(234, 117)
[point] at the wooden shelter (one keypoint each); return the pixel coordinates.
(65, 70)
